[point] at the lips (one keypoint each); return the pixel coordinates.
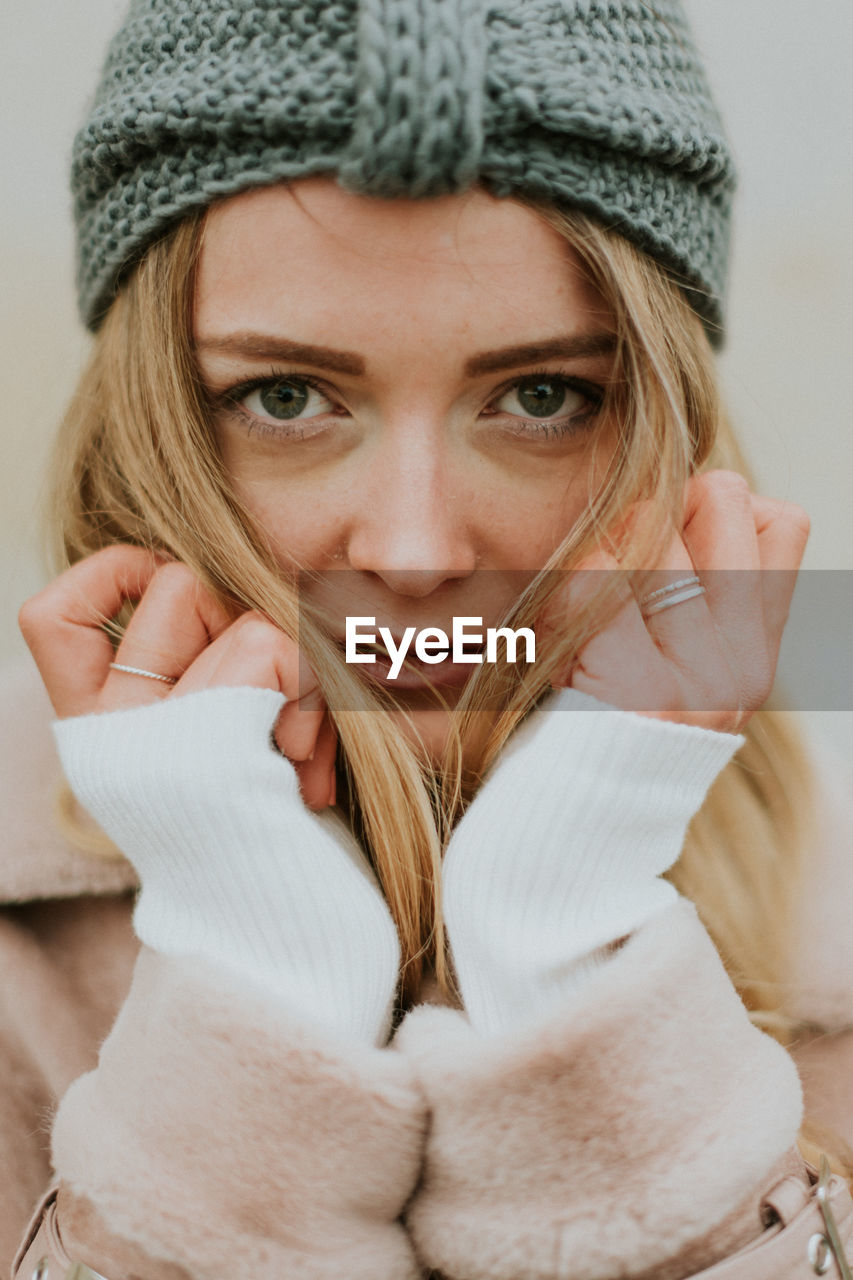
(414, 674)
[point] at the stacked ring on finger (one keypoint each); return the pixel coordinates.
(672, 594)
(138, 671)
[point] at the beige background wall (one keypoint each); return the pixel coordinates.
(781, 69)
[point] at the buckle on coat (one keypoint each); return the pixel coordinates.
(77, 1271)
(823, 1247)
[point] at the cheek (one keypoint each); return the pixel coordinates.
(296, 516)
(532, 513)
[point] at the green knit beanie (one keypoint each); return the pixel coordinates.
(599, 105)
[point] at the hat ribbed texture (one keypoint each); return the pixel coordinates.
(418, 126)
(600, 105)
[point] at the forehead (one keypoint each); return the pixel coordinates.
(329, 261)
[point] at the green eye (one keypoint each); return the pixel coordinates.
(541, 397)
(547, 406)
(284, 399)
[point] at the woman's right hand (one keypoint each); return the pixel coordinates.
(179, 630)
(185, 781)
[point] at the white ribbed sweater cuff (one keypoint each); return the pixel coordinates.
(232, 864)
(562, 849)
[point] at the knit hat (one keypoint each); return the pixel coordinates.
(599, 105)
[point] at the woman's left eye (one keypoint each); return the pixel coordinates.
(555, 402)
(284, 399)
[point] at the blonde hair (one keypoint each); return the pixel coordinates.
(137, 462)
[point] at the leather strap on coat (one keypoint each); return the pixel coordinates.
(42, 1255)
(810, 1229)
(810, 1233)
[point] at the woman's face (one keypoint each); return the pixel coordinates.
(406, 395)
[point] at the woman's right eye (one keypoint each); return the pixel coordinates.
(283, 400)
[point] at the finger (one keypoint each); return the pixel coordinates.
(64, 624)
(708, 673)
(752, 548)
(683, 630)
(176, 619)
(598, 576)
(299, 725)
(620, 663)
(782, 532)
(718, 528)
(720, 535)
(252, 652)
(695, 674)
(317, 776)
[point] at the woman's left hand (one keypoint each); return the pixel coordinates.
(709, 660)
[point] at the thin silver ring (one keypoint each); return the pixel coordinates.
(673, 598)
(678, 585)
(149, 675)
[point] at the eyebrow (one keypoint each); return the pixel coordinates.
(259, 346)
(570, 347)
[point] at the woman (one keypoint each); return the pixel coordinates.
(402, 314)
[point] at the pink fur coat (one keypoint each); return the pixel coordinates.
(198, 1132)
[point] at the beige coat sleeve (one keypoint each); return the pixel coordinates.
(631, 1135)
(223, 1137)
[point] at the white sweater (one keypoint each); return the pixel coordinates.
(559, 855)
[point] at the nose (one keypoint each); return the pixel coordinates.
(414, 523)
